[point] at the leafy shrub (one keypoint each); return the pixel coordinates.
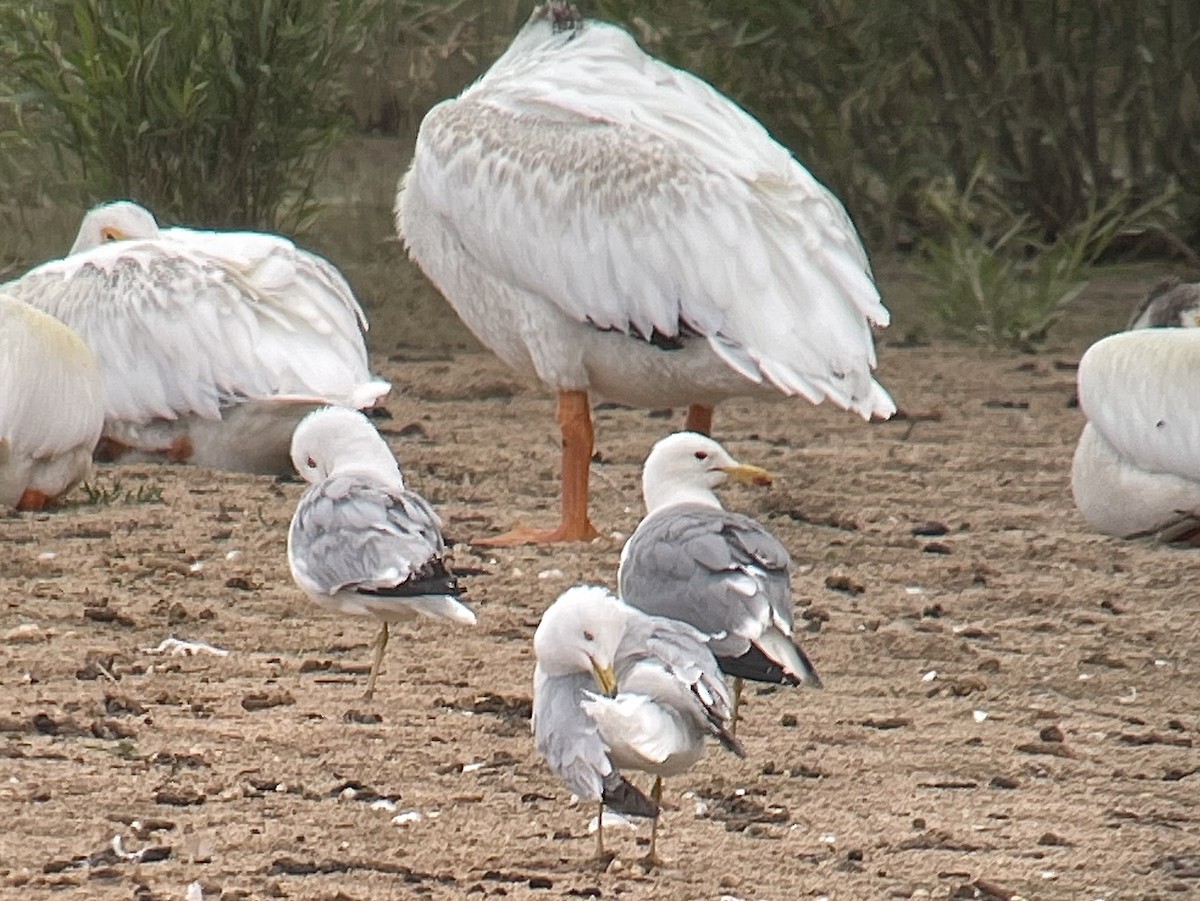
(220, 112)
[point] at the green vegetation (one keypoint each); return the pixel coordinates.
(215, 111)
(99, 495)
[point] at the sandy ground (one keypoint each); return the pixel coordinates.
(1011, 703)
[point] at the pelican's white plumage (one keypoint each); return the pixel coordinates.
(614, 688)
(51, 406)
(360, 543)
(212, 345)
(608, 223)
(1136, 469)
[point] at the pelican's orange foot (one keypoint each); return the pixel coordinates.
(32, 501)
(520, 534)
(180, 449)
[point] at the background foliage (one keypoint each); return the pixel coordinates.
(1014, 142)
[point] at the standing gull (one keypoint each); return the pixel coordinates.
(51, 406)
(211, 345)
(612, 225)
(361, 543)
(614, 688)
(721, 572)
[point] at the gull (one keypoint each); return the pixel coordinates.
(721, 572)
(613, 226)
(1136, 469)
(211, 345)
(360, 543)
(614, 688)
(51, 406)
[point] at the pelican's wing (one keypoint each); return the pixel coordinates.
(570, 743)
(50, 395)
(725, 575)
(383, 544)
(176, 331)
(667, 207)
(1138, 389)
(275, 265)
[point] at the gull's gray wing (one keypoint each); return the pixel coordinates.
(654, 647)
(569, 741)
(726, 575)
(719, 571)
(352, 534)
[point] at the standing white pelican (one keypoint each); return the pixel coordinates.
(360, 543)
(607, 223)
(692, 560)
(212, 345)
(1136, 469)
(51, 406)
(616, 688)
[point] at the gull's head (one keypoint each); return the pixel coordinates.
(121, 220)
(335, 440)
(685, 468)
(580, 632)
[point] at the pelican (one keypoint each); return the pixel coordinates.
(1170, 304)
(614, 226)
(51, 406)
(1136, 469)
(211, 345)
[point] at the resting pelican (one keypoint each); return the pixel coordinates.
(1136, 470)
(212, 345)
(1170, 304)
(612, 225)
(51, 406)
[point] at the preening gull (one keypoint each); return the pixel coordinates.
(211, 345)
(691, 560)
(614, 688)
(361, 543)
(612, 225)
(1136, 469)
(51, 406)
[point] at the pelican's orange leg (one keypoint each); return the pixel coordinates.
(699, 419)
(575, 421)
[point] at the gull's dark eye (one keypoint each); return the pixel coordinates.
(701, 455)
(589, 636)
(108, 234)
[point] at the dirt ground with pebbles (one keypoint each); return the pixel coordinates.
(1011, 705)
